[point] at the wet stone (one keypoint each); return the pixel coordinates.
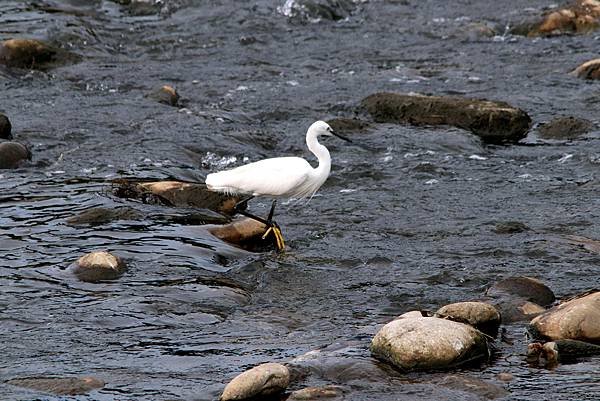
(527, 288)
(103, 215)
(244, 232)
(32, 53)
(317, 393)
(13, 155)
(59, 386)
(472, 385)
(588, 70)
(551, 353)
(480, 315)
(577, 319)
(5, 127)
(565, 128)
(176, 193)
(261, 381)
(312, 10)
(166, 95)
(578, 17)
(98, 266)
(510, 227)
(428, 343)
(348, 125)
(494, 122)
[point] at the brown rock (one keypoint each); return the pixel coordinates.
(239, 231)
(578, 319)
(480, 315)
(505, 376)
(565, 128)
(26, 53)
(165, 94)
(348, 125)
(13, 154)
(59, 386)
(176, 193)
(492, 121)
(428, 343)
(260, 381)
(98, 266)
(588, 70)
(581, 16)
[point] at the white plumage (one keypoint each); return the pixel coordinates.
(285, 177)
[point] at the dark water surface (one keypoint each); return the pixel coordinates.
(404, 222)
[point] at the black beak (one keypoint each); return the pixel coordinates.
(341, 137)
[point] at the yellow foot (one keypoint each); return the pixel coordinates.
(279, 242)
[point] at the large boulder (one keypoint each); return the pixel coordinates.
(520, 298)
(260, 381)
(480, 315)
(494, 122)
(428, 343)
(577, 319)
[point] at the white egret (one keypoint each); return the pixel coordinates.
(279, 177)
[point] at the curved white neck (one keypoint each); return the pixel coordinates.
(320, 152)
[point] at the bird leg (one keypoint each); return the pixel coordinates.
(272, 226)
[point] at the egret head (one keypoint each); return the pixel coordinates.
(322, 128)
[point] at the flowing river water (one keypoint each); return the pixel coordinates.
(405, 221)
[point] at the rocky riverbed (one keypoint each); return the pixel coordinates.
(472, 177)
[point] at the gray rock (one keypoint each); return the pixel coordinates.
(475, 386)
(492, 121)
(577, 319)
(34, 54)
(260, 381)
(565, 128)
(317, 393)
(528, 288)
(480, 315)
(102, 215)
(428, 343)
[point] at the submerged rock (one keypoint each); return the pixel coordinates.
(475, 386)
(5, 127)
(58, 385)
(32, 53)
(165, 94)
(577, 319)
(510, 227)
(261, 381)
(98, 266)
(480, 315)
(494, 122)
(348, 125)
(317, 393)
(565, 128)
(103, 215)
(581, 16)
(528, 288)
(588, 70)
(429, 343)
(317, 9)
(176, 193)
(519, 298)
(13, 154)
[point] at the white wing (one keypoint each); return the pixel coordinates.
(280, 176)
